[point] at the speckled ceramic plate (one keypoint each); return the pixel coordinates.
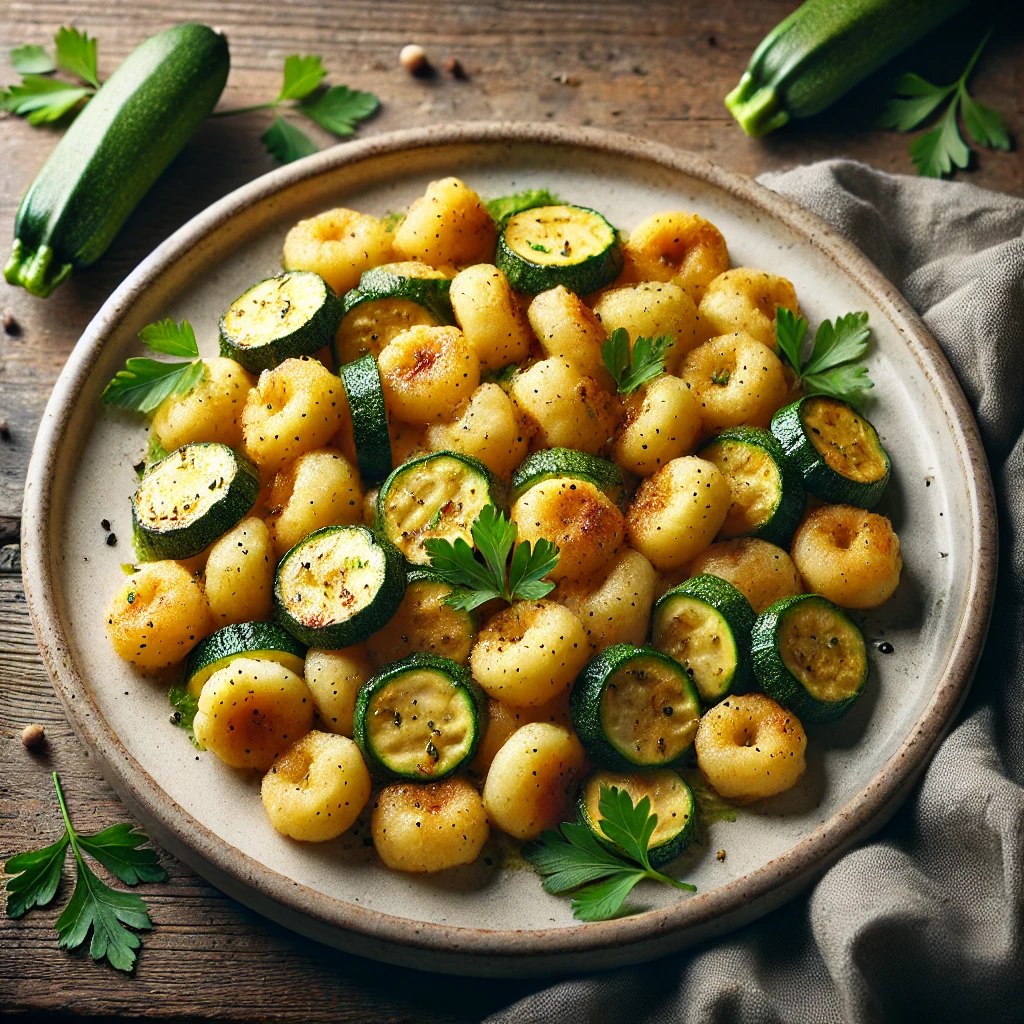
(493, 918)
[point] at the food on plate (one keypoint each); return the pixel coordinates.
(521, 514)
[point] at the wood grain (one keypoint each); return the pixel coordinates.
(657, 69)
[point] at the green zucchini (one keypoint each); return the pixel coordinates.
(435, 495)
(824, 48)
(258, 641)
(338, 586)
(671, 800)
(809, 657)
(113, 152)
(390, 299)
(361, 380)
(190, 498)
(565, 245)
(568, 462)
(293, 314)
(634, 707)
(836, 450)
(705, 625)
(420, 718)
(767, 492)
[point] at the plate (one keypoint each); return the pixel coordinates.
(493, 918)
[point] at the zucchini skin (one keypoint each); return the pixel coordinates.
(775, 678)
(819, 478)
(237, 640)
(365, 393)
(824, 48)
(382, 283)
(568, 462)
(114, 151)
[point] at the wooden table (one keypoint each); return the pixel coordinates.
(657, 69)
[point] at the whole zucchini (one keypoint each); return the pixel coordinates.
(824, 48)
(113, 152)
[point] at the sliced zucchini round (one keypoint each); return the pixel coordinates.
(190, 498)
(338, 586)
(705, 625)
(293, 314)
(565, 245)
(809, 657)
(390, 299)
(766, 488)
(257, 641)
(568, 462)
(420, 718)
(634, 707)
(671, 800)
(435, 495)
(361, 380)
(835, 449)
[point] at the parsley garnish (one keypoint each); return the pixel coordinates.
(337, 110)
(93, 905)
(937, 152)
(504, 207)
(537, 247)
(184, 714)
(42, 100)
(144, 383)
(633, 368)
(831, 367)
(575, 858)
(475, 583)
(392, 219)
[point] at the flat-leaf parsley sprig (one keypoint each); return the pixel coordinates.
(831, 367)
(41, 99)
(602, 875)
(94, 906)
(475, 582)
(937, 152)
(633, 367)
(144, 383)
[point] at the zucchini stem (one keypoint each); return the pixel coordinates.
(758, 109)
(34, 271)
(243, 110)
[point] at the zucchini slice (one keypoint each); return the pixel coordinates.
(809, 657)
(293, 314)
(634, 707)
(671, 800)
(435, 495)
(338, 586)
(565, 245)
(705, 625)
(190, 498)
(835, 449)
(568, 462)
(258, 641)
(420, 718)
(767, 493)
(365, 394)
(390, 299)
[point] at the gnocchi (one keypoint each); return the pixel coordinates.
(489, 316)
(746, 300)
(447, 225)
(662, 422)
(239, 577)
(760, 571)
(334, 679)
(211, 411)
(569, 331)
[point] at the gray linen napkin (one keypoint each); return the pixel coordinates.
(926, 921)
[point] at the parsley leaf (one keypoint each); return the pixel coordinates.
(392, 219)
(340, 108)
(184, 715)
(36, 877)
(286, 142)
(301, 76)
(504, 207)
(607, 872)
(144, 383)
(831, 367)
(42, 100)
(76, 54)
(475, 583)
(936, 152)
(31, 60)
(94, 906)
(633, 368)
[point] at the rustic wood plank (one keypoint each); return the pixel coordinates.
(657, 69)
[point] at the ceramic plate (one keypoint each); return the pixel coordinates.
(494, 918)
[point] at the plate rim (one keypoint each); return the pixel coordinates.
(857, 817)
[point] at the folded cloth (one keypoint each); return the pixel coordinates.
(925, 921)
